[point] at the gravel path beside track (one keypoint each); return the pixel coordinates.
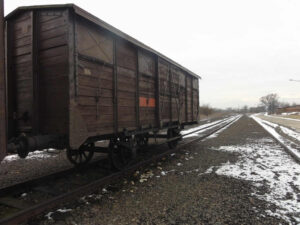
(180, 190)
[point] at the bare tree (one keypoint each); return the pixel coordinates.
(270, 102)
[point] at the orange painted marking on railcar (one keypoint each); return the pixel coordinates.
(147, 102)
(151, 102)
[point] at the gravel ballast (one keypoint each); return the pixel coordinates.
(179, 190)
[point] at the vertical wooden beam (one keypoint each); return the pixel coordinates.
(157, 93)
(11, 83)
(192, 87)
(74, 141)
(137, 100)
(186, 99)
(35, 72)
(115, 86)
(170, 92)
(3, 121)
(198, 100)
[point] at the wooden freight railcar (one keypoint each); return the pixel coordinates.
(73, 79)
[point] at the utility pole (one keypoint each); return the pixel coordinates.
(2, 87)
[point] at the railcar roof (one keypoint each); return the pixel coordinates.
(101, 23)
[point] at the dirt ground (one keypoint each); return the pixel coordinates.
(178, 191)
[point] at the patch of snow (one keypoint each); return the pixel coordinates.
(31, 156)
(104, 190)
(284, 118)
(64, 210)
(23, 195)
(291, 113)
(290, 132)
(179, 164)
(202, 127)
(48, 215)
(264, 162)
(282, 140)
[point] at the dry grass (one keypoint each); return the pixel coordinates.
(291, 116)
(212, 116)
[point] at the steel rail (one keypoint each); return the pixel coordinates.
(25, 214)
(27, 184)
(286, 148)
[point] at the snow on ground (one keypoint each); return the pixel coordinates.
(270, 127)
(290, 113)
(284, 118)
(264, 162)
(208, 126)
(32, 155)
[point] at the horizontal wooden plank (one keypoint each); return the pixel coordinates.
(53, 42)
(98, 120)
(126, 94)
(95, 111)
(57, 60)
(52, 24)
(88, 91)
(18, 51)
(58, 31)
(90, 101)
(23, 41)
(53, 71)
(88, 81)
(54, 52)
(22, 59)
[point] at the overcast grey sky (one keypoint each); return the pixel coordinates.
(242, 49)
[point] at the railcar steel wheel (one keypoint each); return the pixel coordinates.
(171, 134)
(122, 153)
(143, 140)
(81, 156)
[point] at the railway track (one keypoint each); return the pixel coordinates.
(275, 136)
(70, 188)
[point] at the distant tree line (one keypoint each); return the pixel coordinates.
(206, 110)
(268, 103)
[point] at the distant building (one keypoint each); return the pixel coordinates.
(288, 109)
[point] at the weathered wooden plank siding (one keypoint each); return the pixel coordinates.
(20, 72)
(164, 90)
(94, 77)
(126, 56)
(53, 54)
(3, 116)
(189, 99)
(195, 99)
(147, 89)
